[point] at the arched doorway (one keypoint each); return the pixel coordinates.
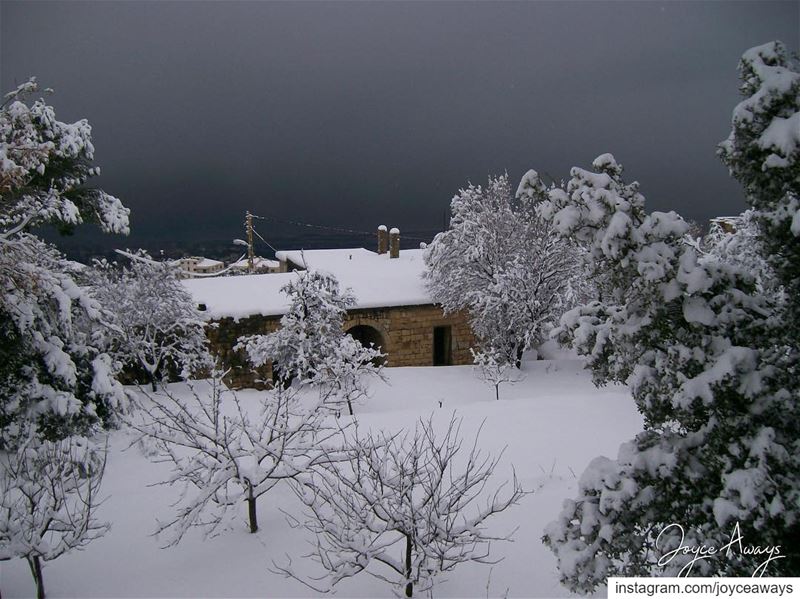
(368, 337)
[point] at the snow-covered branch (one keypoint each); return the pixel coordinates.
(225, 454)
(405, 508)
(48, 496)
(310, 347)
(153, 325)
(707, 338)
(506, 266)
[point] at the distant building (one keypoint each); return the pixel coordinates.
(393, 309)
(260, 265)
(200, 265)
(726, 224)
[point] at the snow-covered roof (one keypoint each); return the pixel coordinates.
(375, 279)
(208, 263)
(258, 262)
(196, 262)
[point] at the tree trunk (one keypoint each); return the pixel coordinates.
(497, 392)
(251, 508)
(350, 406)
(409, 584)
(36, 570)
(153, 381)
(518, 360)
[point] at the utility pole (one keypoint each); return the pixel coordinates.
(250, 253)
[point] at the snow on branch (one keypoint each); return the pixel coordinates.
(48, 498)
(505, 265)
(406, 508)
(225, 455)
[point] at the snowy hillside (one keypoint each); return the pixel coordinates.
(553, 423)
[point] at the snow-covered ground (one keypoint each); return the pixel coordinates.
(553, 423)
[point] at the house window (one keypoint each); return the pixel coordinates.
(442, 346)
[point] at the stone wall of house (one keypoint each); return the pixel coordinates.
(224, 334)
(407, 334)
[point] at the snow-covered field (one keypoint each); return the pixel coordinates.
(553, 423)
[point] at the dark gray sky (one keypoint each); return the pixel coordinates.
(355, 114)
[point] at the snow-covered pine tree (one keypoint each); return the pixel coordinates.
(504, 265)
(54, 381)
(711, 361)
(310, 346)
(154, 326)
(763, 154)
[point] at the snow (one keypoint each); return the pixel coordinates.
(258, 263)
(782, 135)
(778, 81)
(376, 280)
(529, 182)
(208, 263)
(553, 423)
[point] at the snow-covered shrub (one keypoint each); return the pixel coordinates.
(404, 508)
(54, 381)
(504, 265)
(310, 346)
(225, 455)
(154, 325)
(711, 359)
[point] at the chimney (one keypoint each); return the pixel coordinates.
(383, 239)
(394, 243)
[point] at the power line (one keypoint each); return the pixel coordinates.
(343, 230)
(264, 240)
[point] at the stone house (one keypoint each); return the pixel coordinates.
(393, 309)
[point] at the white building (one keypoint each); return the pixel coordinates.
(260, 265)
(200, 265)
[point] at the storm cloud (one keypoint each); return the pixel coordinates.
(355, 114)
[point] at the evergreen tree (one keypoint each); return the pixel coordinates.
(54, 381)
(711, 359)
(57, 387)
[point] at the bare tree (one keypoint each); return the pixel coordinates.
(227, 455)
(405, 508)
(493, 368)
(48, 496)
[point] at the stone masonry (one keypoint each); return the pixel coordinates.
(406, 332)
